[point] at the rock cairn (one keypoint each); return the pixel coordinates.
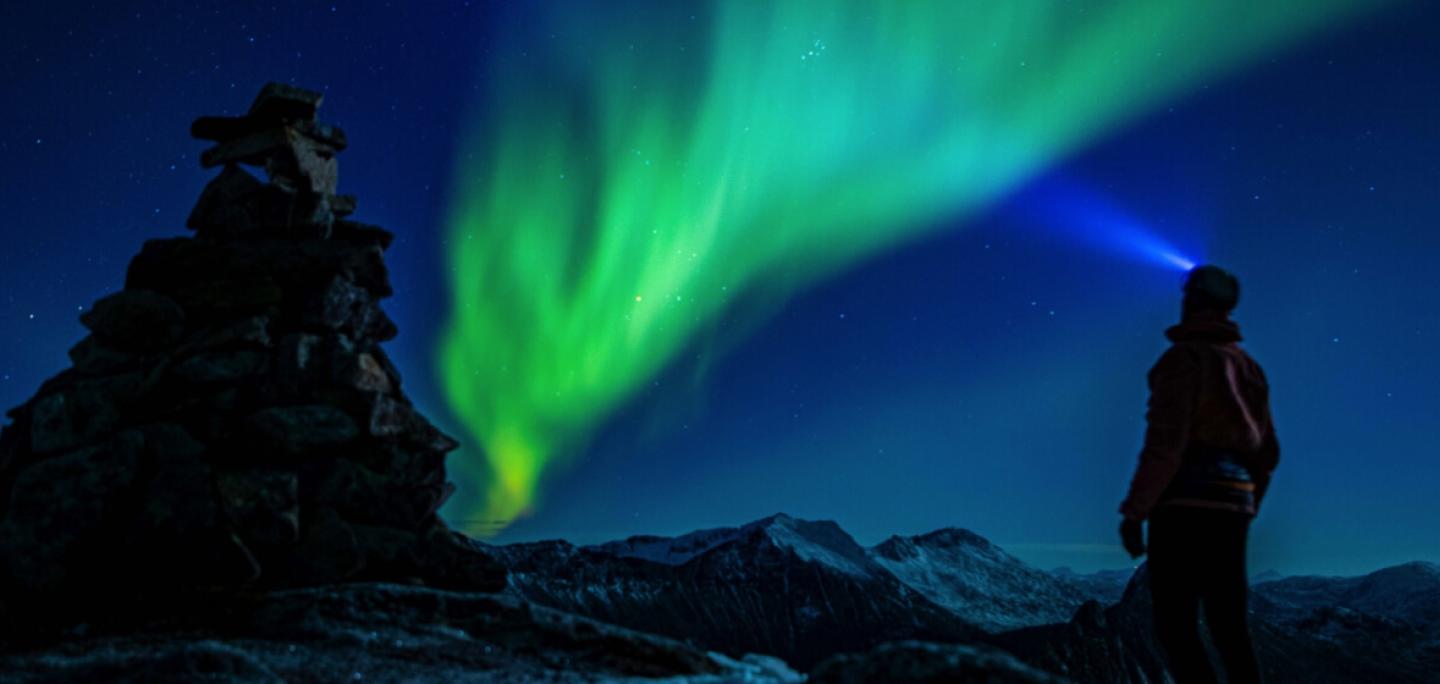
(231, 420)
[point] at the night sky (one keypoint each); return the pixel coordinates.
(987, 372)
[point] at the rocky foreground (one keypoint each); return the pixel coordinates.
(391, 633)
(373, 632)
(701, 607)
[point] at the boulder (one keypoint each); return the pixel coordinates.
(451, 560)
(170, 443)
(363, 373)
(250, 332)
(225, 300)
(360, 233)
(220, 366)
(390, 417)
(136, 320)
(327, 552)
(389, 551)
(253, 149)
(61, 504)
(293, 160)
(343, 205)
(83, 412)
(366, 496)
(180, 536)
(300, 430)
(226, 128)
(93, 357)
(225, 203)
(284, 102)
(350, 310)
(262, 504)
(293, 266)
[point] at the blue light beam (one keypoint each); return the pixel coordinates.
(1075, 213)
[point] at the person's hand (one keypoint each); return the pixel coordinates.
(1132, 535)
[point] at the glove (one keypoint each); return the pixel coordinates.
(1132, 535)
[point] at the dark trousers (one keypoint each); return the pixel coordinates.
(1197, 557)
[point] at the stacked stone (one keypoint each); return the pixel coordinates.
(231, 420)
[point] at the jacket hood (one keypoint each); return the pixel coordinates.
(1205, 326)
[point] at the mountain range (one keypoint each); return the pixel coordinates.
(804, 591)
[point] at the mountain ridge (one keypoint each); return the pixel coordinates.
(805, 590)
(799, 589)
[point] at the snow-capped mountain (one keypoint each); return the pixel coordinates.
(977, 580)
(805, 590)
(820, 542)
(1409, 593)
(796, 589)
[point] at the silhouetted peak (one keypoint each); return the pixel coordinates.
(821, 541)
(948, 539)
(1266, 576)
(774, 519)
(954, 536)
(1413, 569)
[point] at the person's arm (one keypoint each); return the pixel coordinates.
(1174, 385)
(1265, 462)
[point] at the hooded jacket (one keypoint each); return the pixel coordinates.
(1209, 439)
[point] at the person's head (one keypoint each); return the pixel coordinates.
(1210, 288)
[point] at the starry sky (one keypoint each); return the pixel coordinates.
(986, 374)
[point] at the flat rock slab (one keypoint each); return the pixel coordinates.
(223, 128)
(375, 633)
(283, 101)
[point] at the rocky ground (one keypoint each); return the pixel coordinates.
(372, 632)
(391, 633)
(1306, 630)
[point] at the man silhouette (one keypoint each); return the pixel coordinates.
(1209, 450)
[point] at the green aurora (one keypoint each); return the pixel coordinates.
(640, 174)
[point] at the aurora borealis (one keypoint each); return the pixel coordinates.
(965, 346)
(649, 168)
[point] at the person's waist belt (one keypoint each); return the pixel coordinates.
(1206, 462)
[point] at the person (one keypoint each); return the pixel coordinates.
(1209, 452)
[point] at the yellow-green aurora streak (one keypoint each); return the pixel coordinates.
(638, 170)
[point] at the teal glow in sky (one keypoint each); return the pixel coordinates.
(638, 170)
